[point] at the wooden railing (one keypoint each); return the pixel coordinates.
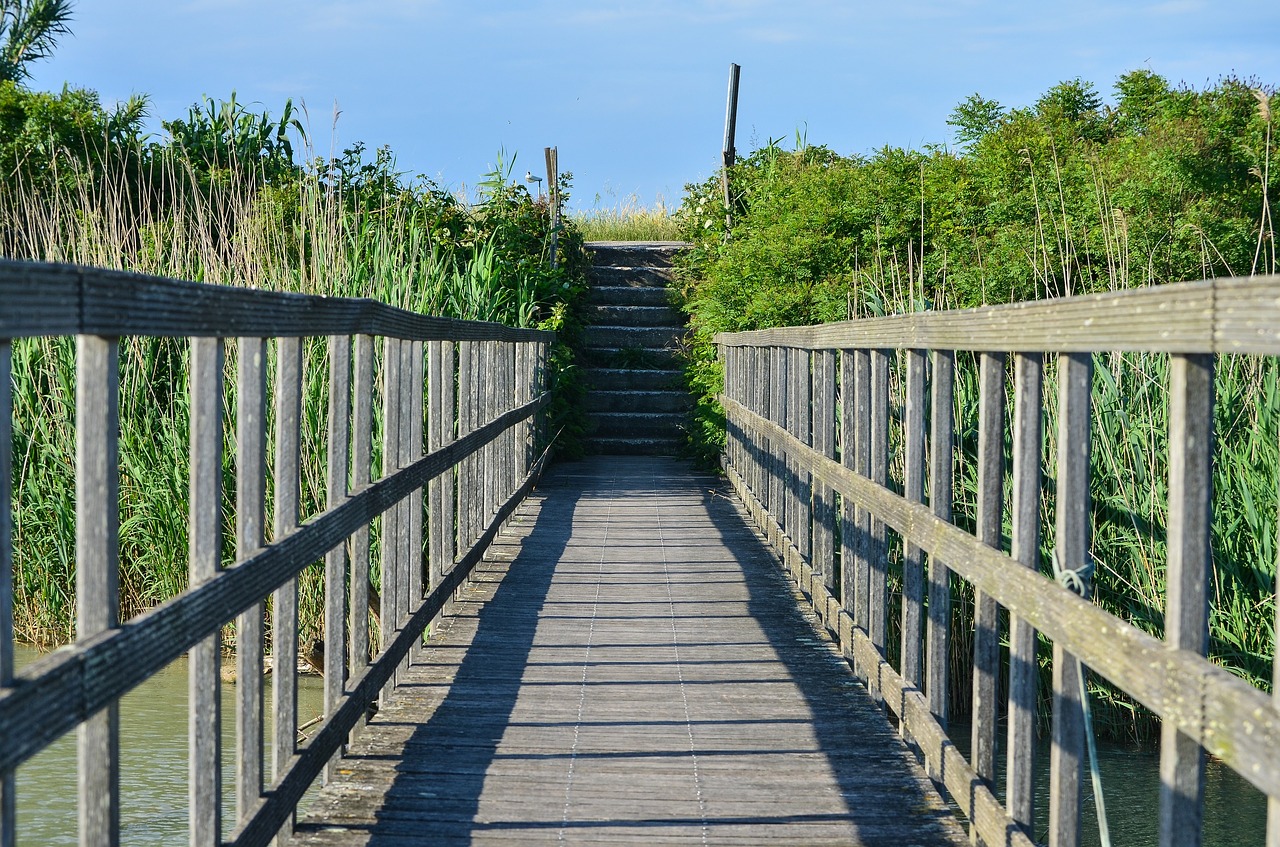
(475, 388)
(808, 411)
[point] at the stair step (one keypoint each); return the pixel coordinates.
(652, 337)
(634, 315)
(631, 358)
(635, 446)
(657, 254)
(637, 401)
(624, 379)
(629, 277)
(633, 424)
(628, 295)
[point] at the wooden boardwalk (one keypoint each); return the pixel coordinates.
(629, 666)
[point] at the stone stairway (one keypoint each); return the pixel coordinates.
(636, 400)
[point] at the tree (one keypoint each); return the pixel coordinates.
(1139, 96)
(975, 117)
(29, 29)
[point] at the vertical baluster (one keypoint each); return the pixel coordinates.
(802, 391)
(251, 438)
(524, 394)
(361, 474)
(416, 390)
(913, 490)
(204, 559)
(862, 464)
(335, 561)
(937, 630)
(487, 379)
(97, 570)
(388, 611)
(7, 786)
(878, 442)
(1188, 575)
(1075, 372)
(986, 635)
(284, 629)
(824, 441)
(758, 384)
(1023, 670)
(848, 458)
(404, 554)
(448, 479)
(466, 411)
(777, 414)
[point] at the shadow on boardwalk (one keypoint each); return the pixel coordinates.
(627, 683)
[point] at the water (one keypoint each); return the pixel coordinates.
(1235, 813)
(153, 764)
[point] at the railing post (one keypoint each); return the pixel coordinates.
(802, 428)
(389, 611)
(862, 465)
(97, 570)
(204, 560)
(251, 437)
(284, 629)
(986, 634)
(1075, 372)
(777, 414)
(849, 512)
(466, 419)
(913, 490)
(8, 786)
(1188, 575)
(361, 474)
(878, 548)
(1024, 672)
(335, 561)
(941, 440)
(824, 441)
(441, 487)
(416, 379)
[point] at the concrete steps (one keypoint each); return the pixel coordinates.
(637, 402)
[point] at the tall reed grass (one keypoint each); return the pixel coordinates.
(629, 220)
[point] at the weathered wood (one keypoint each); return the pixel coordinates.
(848, 458)
(862, 464)
(466, 422)
(824, 441)
(417, 388)
(284, 600)
(938, 625)
(1188, 574)
(389, 549)
(986, 634)
(361, 475)
(1024, 672)
(8, 788)
(97, 571)
(204, 560)
(251, 437)
(802, 417)
(913, 490)
(1230, 719)
(335, 561)
(53, 299)
(878, 547)
(1071, 540)
(62, 689)
(642, 750)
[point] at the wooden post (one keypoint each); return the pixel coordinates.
(848, 458)
(553, 197)
(1066, 756)
(728, 153)
(388, 612)
(251, 437)
(986, 635)
(98, 570)
(284, 620)
(361, 473)
(878, 446)
(204, 560)
(862, 465)
(1024, 672)
(8, 787)
(335, 561)
(913, 490)
(824, 441)
(417, 389)
(941, 440)
(1188, 576)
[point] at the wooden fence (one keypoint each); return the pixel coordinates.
(471, 391)
(809, 411)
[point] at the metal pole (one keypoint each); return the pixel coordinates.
(730, 127)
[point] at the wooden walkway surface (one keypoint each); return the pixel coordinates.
(630, 666)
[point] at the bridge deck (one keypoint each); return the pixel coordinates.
(641, 674)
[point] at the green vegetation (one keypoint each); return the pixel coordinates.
(1067, 196)
(231, 196)
(630, 220)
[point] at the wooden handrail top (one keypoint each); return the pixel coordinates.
(43, 299)
(1236, 315)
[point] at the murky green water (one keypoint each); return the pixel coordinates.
(153, 764)
(1235, 813)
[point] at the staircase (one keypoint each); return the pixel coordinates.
(636, 401)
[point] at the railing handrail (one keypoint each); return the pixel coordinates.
(59, 299)
(783, 418)
(487, 381)
(1232, 315)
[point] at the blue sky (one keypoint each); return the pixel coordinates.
(633, 93)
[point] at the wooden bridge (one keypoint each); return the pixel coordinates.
(621, 649)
